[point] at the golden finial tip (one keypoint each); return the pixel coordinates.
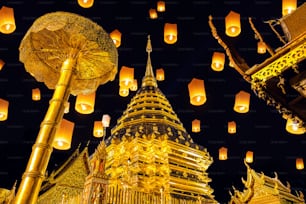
(149, 46)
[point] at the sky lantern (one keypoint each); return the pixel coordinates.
(232, 24)
(63, 135)
(7, 20)
(85, 103)
(86, 3)
(197, 92)
(170, 33)
(217, 62)
(242, 102)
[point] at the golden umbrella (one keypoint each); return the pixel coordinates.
(72, 55)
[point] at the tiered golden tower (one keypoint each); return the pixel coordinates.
(150, 156)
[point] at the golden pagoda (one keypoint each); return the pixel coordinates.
(260, 188)
(148, 158)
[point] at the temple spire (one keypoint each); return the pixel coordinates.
(149, 79)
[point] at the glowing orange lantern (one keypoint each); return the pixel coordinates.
(170, 33)
(231, 127)
(126, 77)
(7, 20)
(36, 94)
(242, 102)
(63, 135)
(4, 104)
(85, 103)
(197, 92)
(161, 6)
(249, 157)
(288, 6)
(134, 86)
(153, 13)
(115, 35)
(86, 3)
(218, 59)
(160, 74)
(196, 125)
(123, 91)
(299, 163)
(98, 130)
(2, 63)
(261, 47)
(232, 24)
(223, 153)
(293, 127)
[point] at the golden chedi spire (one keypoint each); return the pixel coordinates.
(151, 158)
(149, 79)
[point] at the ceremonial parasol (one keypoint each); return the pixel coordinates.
(72, 55)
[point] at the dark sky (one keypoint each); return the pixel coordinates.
(261, 130)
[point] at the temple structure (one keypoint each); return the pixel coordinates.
(280, 79)
(259, 188)
(148, 158)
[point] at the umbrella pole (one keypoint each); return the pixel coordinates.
(41, 151)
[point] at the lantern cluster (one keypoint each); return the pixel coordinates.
(99, 129)
(160, 7)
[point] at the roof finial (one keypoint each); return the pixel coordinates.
(149, 46)
(149, 79)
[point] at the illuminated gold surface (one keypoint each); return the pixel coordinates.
(259, 188)
(66, 183)
(56, 36)
(284, 59)
(37, 164)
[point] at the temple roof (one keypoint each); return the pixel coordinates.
(261, 186)
(71, 174)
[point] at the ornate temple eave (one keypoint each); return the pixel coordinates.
(275, 64)
(260, 188)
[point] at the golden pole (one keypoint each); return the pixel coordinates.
(41, 151)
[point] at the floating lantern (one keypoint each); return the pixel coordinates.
(217, 62)
(86, 3)
(170, 33)
(36, 94)
(223, 153)
(242, 102)
(126, 77)
(197, 92)
(85, 103)
(115, 35)
(231, 127)
(160, 74)
(7, 20)
(63, 135)
(196, 125)
(4, 104)
(288, 6)
(232, 24)
(249, 157)
(161, 6)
